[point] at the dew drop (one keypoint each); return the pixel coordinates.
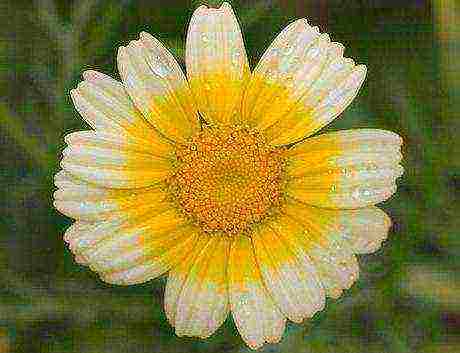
(160, 66)
(275, 52)
(360, 193)
(236, 57)
(161, 71)
(313, 53)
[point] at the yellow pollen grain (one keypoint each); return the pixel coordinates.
(227, 178)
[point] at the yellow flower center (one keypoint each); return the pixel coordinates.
(227, 178)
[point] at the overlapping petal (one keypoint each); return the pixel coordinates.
(332, 258)
(217, 65)
(157, 86)
(196, 297)
(287, 272)
(357, 231)
(331, 238)
(256, 316)
(115, 160)
(345, 169)
(104, 104)
(301, 84)
(133, 247)
(88, 202)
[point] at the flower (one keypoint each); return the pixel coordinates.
(216, 180)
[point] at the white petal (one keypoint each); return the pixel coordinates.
(118, 161)
(177, 277)
(126, 250)
(330, 238)
(105, 106)
(202, 304)
(364, 229)
(288, 273)
(217, 66)
(157, 86)
(301, 84)
(345, 169)
(256, 316)
(83, 201)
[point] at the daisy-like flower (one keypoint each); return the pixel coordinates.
(216, 180)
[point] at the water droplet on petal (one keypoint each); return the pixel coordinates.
(236, 57)
(313, 53)
(275, 52)
(161, 71)
(361, 193)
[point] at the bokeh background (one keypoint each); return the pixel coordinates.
(408, 296)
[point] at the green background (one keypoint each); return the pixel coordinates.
(408, 296)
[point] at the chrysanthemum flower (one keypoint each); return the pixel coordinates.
(216, 180)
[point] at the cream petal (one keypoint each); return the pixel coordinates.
(336, 270)
(202, 302)
(217, 65)
(332, 237)
(132, 248)
(157, 86)
(116, 161)
(87, 202)
(362, 230)
(365, 229)
(333, 261)
(177, 277)
(301, 84)
(105, 106)
(288, 273)
(255, 314)
(160, 256)
(83, 236)
(345, 169)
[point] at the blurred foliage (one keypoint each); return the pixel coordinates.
(407, 298)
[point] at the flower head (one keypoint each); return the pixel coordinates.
(216, 180)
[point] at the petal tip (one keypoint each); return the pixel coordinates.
(91, 75)
(226, 7)
(73, 93)
(361, 69)
(146, 36)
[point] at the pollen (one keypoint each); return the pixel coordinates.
(227, 178)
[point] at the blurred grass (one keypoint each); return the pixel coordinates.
(407, 298)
